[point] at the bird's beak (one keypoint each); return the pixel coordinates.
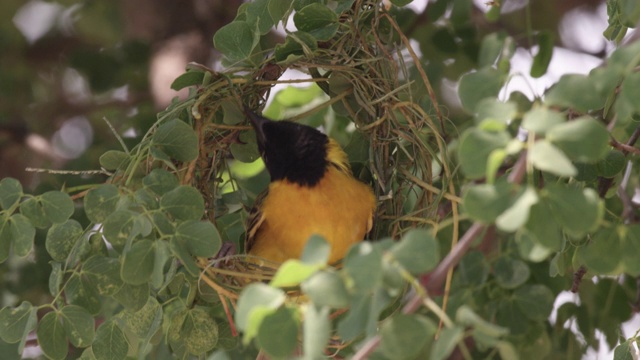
(257, 122)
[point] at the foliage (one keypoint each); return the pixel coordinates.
(545, 186)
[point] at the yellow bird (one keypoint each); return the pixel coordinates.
(312, 191)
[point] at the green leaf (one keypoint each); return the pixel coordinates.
(316, 331)
(577, 92)
(110, 342)
(57, 206)
(494, 109)
(485, 202)
(535, 301)
(623, 351)
(631, 249)
(61, 238)
(473, 269)
(295, 45)
(542, 119)
(510, 273)
(417, 251)
(137, 265)
(404, 336)
(354, 323)
(467, 317)
(183, 203)
(104, 274)
(478, 85)
(189, 78)
(133, 297)
(292, 272)
(181, 252)
(235, 41)
(199, 331)
(284, 323)
(120, 226)
(32, 209)
(517, 215)
(603, 253)
(278, 10)
(160, 181)
(316, 251)
(542, 226)
(258, 14)
(51, 337)
(80, 291)
(17, 323)
(545, 51)
(100, 202)
(475, 147)
(326, 288)
(22, 233)
(114, 159)
(446, 342)
(363, 265)
(490, 48)
(232, 112)
(200, 237)
(317, 20)
(613, 163)
(626, 105)
(10, 192)
(546, 157)
(577, 211)
(255, 297)
(177, 139)
(78, 325)
(145, 322)
(583, 139)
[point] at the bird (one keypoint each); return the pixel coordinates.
(312, 191)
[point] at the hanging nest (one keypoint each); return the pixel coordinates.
(365, 78)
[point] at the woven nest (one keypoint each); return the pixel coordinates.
(363, 77)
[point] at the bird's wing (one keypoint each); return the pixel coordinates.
(255, 219)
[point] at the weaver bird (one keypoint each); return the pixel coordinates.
(312, 191)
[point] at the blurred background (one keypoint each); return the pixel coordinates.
(67, 66)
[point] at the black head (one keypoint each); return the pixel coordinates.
(290, 151)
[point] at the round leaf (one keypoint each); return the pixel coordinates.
(184, 203)
(104, 274)
(511, 273)
(541, 119)
(583, 139)
(546, 157)
(326, 288)
(100, 202)
(478, 85)
(61, 238)
(51, 337)
(137, 265)
(177, 139)
(22, 234)
(58, 206)
(160, 181)
(110, 342)
(417, 251)
(235, 41)
(10, 192)
(200, 237)
(78, 325)
(284, 323)
(403, 336)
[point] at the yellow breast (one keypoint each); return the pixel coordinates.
(339, 207)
